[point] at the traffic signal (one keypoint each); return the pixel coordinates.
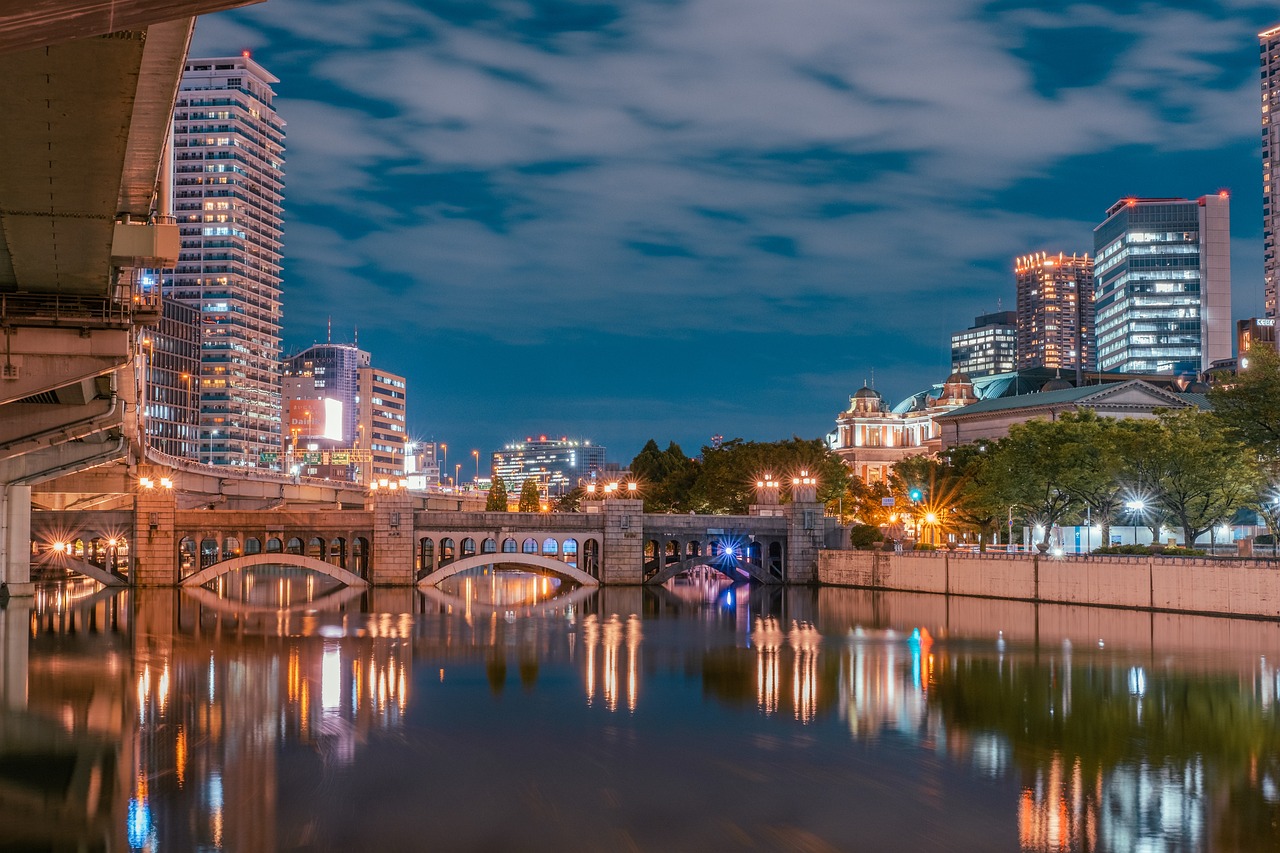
(917, 494)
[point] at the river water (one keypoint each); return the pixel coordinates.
(508, 711)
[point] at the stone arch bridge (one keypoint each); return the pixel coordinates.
(389, 543)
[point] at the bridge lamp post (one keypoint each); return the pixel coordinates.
(112, 545)
(457, 471)
(476, 455)
(444, 459)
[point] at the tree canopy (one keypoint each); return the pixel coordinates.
(529, 501)
(497, 499)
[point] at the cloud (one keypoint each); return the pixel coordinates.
(531, 170)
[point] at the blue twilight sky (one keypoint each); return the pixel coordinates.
(628, 219)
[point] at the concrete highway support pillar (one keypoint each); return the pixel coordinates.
(15, 540)
(15, 623)
(391, 562)
(154, 549)
(622, 560)
(804, 534)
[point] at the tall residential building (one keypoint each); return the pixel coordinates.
(228, 146)
(1055, 312)
(380, 426)
(1269, 51)
(988, 347)
(557, 464)
(1163, 285)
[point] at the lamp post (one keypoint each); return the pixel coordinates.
(444, 458)
(457, 471)
(476, 454)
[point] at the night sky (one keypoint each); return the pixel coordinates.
(677, 218)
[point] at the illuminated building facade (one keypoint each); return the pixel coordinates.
(871, 438)
(1269, 55)
(1055, 312)
(1163, 285)
(380, 427)
(988, 347)
(558, 465)
(1252, 332)
(320, 390)
(228, 146)
(172, 356)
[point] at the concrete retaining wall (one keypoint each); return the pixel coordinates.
(1188, 585)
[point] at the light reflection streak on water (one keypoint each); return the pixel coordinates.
(1060, 801)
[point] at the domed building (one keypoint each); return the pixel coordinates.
(871, 437)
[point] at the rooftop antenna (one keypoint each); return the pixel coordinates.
(357, 334)
(873, 378)
(329, 340)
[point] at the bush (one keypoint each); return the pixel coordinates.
(1147, 550)
(864, 536)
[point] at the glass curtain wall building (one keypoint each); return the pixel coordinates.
(988, 347)
(228, 146)
(1163, 285)
(557, 465)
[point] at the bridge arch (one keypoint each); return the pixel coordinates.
(537, 561)
(89, 570)
(338, 573)
(734, 570)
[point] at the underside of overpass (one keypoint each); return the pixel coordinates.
(87, 105)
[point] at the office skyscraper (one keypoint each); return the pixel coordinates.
(987, 347)
(381, 426)
(228, 146)
(1269, 51)
(1163, 284)
(1055, 312)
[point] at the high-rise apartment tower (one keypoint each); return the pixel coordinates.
(228, 160)
(1055, 312)
(1163, 284)
(1269, 51)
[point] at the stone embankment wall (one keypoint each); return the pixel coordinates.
(1182, 584)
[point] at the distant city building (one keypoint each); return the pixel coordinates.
(1269, 51)
(1055, 312)
(1163, 285)
(1253, 332)
(320, 391)
(172, 353)
(381, 425)
(987, 347)
(557, 464)
(228, 147)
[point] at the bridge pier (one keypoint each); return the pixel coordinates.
(623, 559)
(391, 562)
(805, 534)
(15, 540)
(154, 549)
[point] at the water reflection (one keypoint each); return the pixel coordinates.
(305, 716)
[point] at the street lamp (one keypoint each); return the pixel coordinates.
(476, 454)
(444, 458)
(457, 471)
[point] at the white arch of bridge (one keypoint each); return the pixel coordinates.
(274, 558)
(534, 560)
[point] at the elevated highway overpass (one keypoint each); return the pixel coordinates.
(88, 100)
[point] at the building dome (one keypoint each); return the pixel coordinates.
(1198, 388)
(866, 401)
(1057, 384)
(958, 378)
(864, 392)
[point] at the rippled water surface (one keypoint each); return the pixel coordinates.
(507, 711)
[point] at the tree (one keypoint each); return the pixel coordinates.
(1249, 406)
(726, 480)
(497, 499)
(665, 476)
(529, 501)
(1096, 480)
(1038, 469)
(1197, 472)
(570, 501)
